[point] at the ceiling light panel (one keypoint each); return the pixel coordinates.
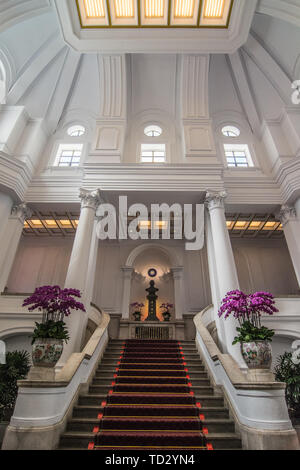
(93, 13)
(157, 13)
(184, 12)
(214, 8)
(94, 8)
(154, 12)
(123, 12)
(216, 13)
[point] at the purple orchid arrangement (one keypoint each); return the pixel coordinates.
(166, 306)
(137, 305)
(54, 302)
(247, 308)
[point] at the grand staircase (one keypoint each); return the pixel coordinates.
(149, 395)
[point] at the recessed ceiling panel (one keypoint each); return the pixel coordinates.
(154, 13)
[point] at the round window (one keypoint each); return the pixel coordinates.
(152, 131)
(76, 131)
(231, 131)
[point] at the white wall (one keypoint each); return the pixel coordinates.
(261, 265)
(264, 265)
(280, 344)
(18, 343)
(39, 262)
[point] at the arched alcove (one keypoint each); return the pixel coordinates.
(152, 257)
(168, 279)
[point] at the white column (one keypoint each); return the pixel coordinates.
(290, 219)
(6, 204)
(213, 277)
(90, 278)
(10, 240)
(127, 276)
(78, 269)
(178, 291)
(225, 266)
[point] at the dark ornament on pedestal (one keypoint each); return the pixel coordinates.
(166, 316)
(152, 297)
(137, 316)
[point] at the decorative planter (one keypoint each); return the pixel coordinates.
(257, 354)
(166, 316)
(46, 352)
(137, 316)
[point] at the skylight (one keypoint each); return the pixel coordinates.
(147, 13)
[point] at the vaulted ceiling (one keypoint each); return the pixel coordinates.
(54, 67)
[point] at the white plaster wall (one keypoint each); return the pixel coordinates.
(18, 343)
(261, 264)
(39, 262)
(280, 345)
(276, 35)
(222, 92)
(264, 265)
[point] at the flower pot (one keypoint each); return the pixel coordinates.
(166, 316)
(257, 354)
(137, 316)
(46, 352)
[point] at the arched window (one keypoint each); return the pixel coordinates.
(76, 131)
(152, 131)
(231, 131)
(153, 150)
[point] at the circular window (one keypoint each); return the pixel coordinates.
(152, 131)
(76, 131)
(231, 131)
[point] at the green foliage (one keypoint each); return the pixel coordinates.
(288, 372)
(248, 332)
(50, 329)
(16, 368)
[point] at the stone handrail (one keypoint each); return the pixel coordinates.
(43, 407)
(257, 406)
(65, 375)
(236, 376)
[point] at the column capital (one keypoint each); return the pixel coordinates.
(177, 272)
(90, 199)
(21, 212)
(127, 271)
(286, 214)
(215, 199)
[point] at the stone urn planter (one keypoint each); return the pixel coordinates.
(257, 354)
(46, 352)
(137, 316)
(166, 316)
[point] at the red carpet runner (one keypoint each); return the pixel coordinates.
(151, 404)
